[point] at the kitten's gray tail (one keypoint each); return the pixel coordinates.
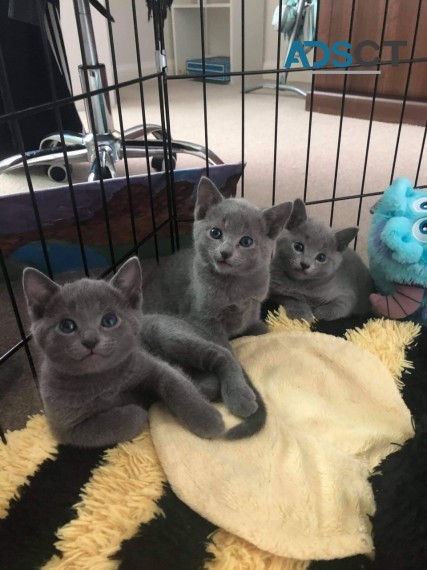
(252, 424)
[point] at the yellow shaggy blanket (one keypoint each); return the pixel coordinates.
(295, 492)
(299, 488)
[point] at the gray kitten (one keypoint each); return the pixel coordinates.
(225, 276)
(95, 372)
(313, 274)
(218, 285)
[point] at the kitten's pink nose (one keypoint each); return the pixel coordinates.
(304, 265)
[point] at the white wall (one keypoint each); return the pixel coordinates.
(124, 41)
(270, 45)
(72, 46)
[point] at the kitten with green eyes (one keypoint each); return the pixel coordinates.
(96, 375)
(314, 274)
(218, 285)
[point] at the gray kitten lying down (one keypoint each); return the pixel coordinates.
(96, 373)
(217, 288)
(313, 274)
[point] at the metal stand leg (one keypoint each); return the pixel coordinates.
(280, 87)
(82, 147)
(283, 82)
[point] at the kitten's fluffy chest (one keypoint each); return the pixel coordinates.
(313, 291)
(97, 391)
(233, 294)
(232, 301)
(236, 318)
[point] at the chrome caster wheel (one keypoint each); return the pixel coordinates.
(158, 163)
(57, 172)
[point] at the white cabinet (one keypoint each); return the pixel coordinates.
(222, 22)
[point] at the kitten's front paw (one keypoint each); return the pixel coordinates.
(210, 427)
(300, 314)
(328, 313)
(297, 309)
(256, 329)
(240, 401)
(210, 388)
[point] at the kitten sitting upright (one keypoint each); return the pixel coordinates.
(224, 278)
(95, 372)
(313, 274)
(217, 287)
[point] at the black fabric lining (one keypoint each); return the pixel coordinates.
(399, 485)
(268, 306)
(415, 380)
(358, 562)
(340, 326)
(337, 327)
(400, 521)
(176, 541)
(27, 534)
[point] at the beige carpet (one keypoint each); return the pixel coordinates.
(224, 117)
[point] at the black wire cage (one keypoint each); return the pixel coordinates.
(391, 92)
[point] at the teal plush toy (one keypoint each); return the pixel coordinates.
(397, 250)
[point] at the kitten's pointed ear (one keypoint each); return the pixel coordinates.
(38, 290)
(298, 216)
(128, 280)
(208, 195)
(344, 237)
(275, 218)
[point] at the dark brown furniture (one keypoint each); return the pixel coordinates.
(400, 24)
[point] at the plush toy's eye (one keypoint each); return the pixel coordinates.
(215, 233)
(420, 205)
(419, 230)
(321, 257)
(67, 326)
(298, 246)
